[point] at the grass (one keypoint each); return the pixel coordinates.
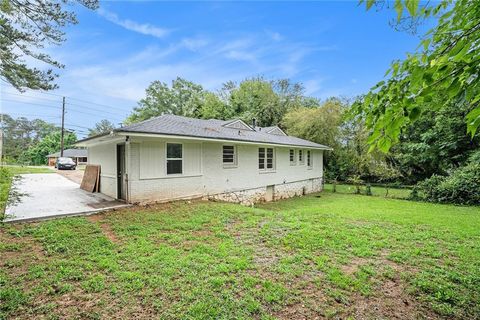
(28, 169)
(397, 193)
(328, 255)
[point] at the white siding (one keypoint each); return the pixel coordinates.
(105, 156)
(203, 170)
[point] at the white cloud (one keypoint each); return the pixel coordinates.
(143, 28)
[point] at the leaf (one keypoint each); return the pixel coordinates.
(454, 88)
(414, 113)
(370, 4)
(426, 43)
(384, 144)
(399, 8)
(412, 6)
(473, 121)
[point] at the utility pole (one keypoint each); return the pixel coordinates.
(63, 127)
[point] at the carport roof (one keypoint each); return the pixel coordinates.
(70, 153)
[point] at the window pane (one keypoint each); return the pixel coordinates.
(269, 153)
(261, 158)
(174, 166)
(300, 155)
(174, 150)
(292, 155)
(228, 158)
(228, 154)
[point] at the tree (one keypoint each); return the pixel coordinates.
(25, 28)
(37, 154)
(320, 125)
(214, 108)
(21, 133)
(255, 99)
(101, 127)
(436, 143)
(183, 98)
(446, 65)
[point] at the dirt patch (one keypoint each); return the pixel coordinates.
(106, 228)
(353, 265)
(391, 301)
(72, 175)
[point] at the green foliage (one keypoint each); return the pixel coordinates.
(21, 133)
(183, 98)
(446, 67)
(26, 27)
(37, 154)
(321, 124)
(255, 98)
(436, 143)
(101, 127)
(461, 187)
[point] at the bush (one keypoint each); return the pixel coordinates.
(461, 187)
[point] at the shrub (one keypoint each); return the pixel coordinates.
(461, 187)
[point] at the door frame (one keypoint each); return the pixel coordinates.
(121, 188)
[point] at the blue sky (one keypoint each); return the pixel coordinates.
(333, 48)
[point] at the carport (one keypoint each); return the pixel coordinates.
(45, 196)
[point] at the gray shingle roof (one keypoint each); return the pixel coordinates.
(211, 129)
(70, 153)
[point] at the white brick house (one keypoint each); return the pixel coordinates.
(172, 157)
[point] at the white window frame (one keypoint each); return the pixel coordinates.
(294, 161)
(167, 158)
(234, 164)
(301, 156)
(309, 159)
(274, 157)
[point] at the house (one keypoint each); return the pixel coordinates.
(80, 156)
(171, 157)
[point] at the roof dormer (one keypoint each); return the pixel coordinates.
(238, 124)
(275, 130)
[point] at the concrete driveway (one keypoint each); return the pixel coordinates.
(50, 195)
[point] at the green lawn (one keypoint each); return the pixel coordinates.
(398, 193)
(320, 256)
(28, 169)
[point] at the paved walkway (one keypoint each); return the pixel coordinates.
(46, 196)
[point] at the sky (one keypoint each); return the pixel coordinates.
(333, 48)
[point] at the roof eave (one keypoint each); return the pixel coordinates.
(203, 138)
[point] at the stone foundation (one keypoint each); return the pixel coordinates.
(280, 191)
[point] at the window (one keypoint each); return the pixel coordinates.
(309, 159)
(292, 157)
(174, 158)
(300, 156)
(229, 156)
(265, 159)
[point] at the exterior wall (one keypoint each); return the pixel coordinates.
(105, 155)
(204, 174)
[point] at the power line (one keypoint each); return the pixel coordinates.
(32, 103)
(30, 115)
(70, 98)
(47, 106)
